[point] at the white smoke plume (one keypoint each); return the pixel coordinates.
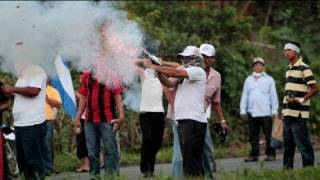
(34, 32)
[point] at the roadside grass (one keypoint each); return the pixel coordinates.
(309, 173)
(69, 162)
(66, 162)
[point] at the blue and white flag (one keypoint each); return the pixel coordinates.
(61, 80)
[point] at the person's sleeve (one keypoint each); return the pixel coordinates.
(195, 73)
(308, 76)
(56, 96)
(274, 98)
(216, 98)
(117, 87)
(83, 85)
(244, 98)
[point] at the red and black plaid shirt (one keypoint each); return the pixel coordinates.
(96, 110)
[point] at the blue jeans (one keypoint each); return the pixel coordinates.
(177, 166)
(296, 134)
(29, 146)
(95, 132)
(47, 155)
(208, 158)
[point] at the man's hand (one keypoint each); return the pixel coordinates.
(244, 116)
(116, 123)
(148, 63)
(77, 126)
(56, 124)
(224, 126)
(295, 100)
(9, 90)
(274, 115)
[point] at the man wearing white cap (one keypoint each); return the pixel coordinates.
(299, 88)
(212, 100)
(259, 103)
(189, 106)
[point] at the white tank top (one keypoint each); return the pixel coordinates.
(151, 94)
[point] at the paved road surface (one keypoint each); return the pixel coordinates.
(226, 165)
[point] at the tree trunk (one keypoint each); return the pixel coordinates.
(244, 9)
(269, 12)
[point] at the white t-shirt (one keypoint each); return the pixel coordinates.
(151, 94)
(190, 98)
(28, 111)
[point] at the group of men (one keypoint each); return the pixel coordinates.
(259, 104)
(192, 89)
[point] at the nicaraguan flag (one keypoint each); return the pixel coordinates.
(61, 80)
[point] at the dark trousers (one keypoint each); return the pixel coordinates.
(81, 143)
(254, 132)
(30, 142)
(296, 133)
(192, 137)
(152, 126)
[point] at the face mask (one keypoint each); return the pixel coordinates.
(192, 61)
(255, 74)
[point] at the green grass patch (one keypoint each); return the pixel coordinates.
(240, 150)
(133, 158)
(69, 162)
(310, 173)
(66, 162)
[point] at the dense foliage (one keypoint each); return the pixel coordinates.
(239, 31)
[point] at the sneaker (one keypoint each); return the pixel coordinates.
(270, 158)
(251, 159)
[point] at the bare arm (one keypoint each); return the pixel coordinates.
(170, 64)
(169, 71)
(119, 104)
(82, 106)
(4, 106)
(169, 95)
(313, 91)
(24, 91)
(218, 111)
(53, 103)
(166, 81)
(139, 70)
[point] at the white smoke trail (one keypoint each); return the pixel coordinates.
(34, 32)
(42, 29)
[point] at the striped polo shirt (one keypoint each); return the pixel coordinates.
(298, 77)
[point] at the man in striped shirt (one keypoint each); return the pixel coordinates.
(299, 88)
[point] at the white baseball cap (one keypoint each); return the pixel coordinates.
(208, 50)
(258, 60)
(190, 51)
